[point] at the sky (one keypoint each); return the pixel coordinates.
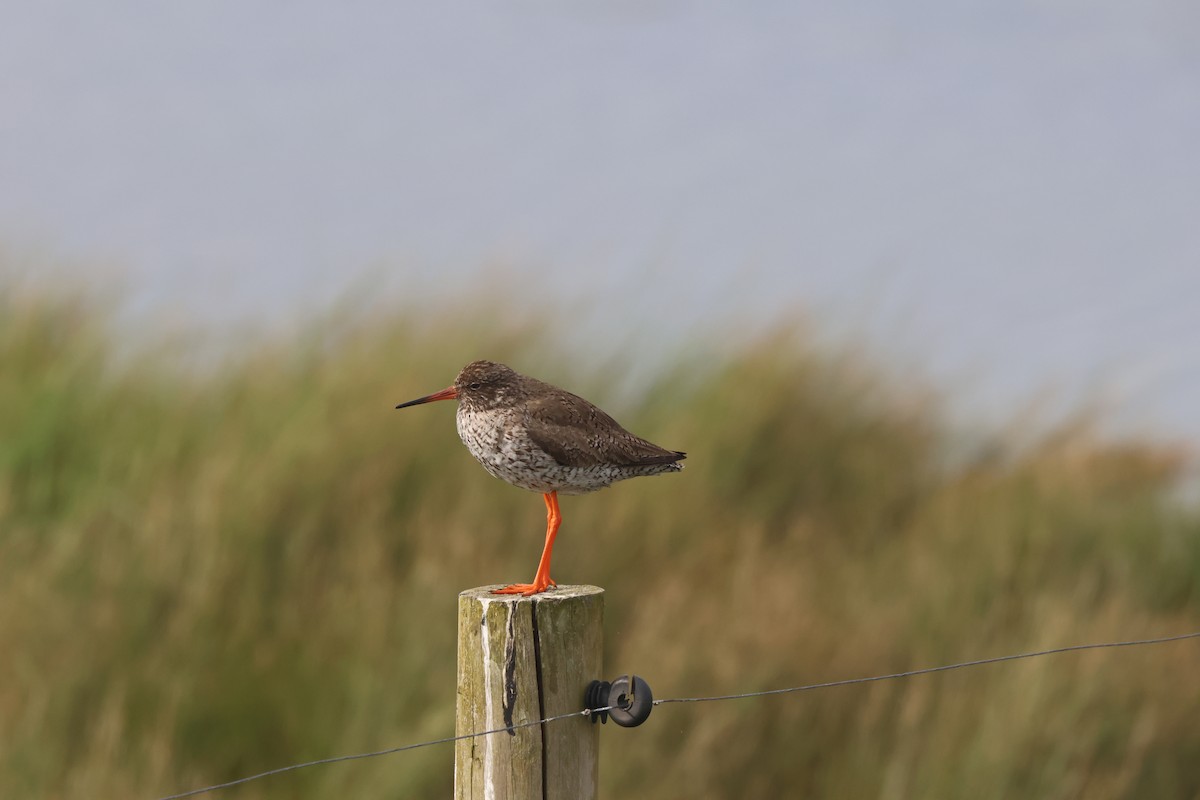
(1005, 194)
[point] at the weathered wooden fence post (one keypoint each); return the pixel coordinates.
(522, 659)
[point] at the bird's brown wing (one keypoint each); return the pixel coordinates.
(577, 434)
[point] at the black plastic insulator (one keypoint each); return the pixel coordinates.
(628, 699)
(596, 696)
(631, 700)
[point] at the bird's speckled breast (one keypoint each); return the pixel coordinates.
(497, 440)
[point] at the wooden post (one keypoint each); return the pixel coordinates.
(521, 659)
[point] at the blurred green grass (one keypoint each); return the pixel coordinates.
(209, 572)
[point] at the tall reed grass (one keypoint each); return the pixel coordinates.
(208, 572)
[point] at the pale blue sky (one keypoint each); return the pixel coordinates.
(1008, 193)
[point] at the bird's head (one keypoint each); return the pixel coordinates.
(480, 385)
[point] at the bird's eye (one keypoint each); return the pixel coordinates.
(476, 385)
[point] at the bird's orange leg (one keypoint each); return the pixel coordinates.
(541, 581)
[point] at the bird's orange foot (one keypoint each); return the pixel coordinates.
(527, 589)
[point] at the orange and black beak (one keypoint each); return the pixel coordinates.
(449, 393)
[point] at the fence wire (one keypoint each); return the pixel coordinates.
(713, 698)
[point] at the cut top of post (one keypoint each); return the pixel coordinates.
(557, 593)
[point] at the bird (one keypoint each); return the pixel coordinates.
(545, 439)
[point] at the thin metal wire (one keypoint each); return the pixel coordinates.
(589, 711)
(928, 670)
(584, 713)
